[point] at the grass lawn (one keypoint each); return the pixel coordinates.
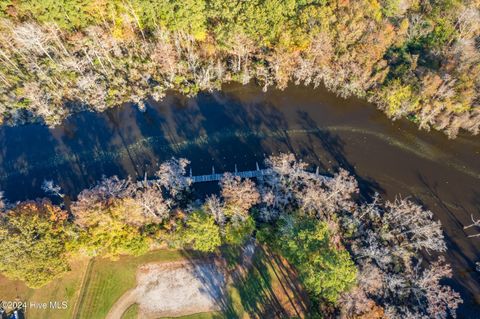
(267, 288)
(131, 313)
(65, 288)
(202, 315)
(109, 280)
(13, 289)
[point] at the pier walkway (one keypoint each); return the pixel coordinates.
(213, 177)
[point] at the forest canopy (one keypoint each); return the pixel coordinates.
(417, 59)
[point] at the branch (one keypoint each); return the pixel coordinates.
(474, 223)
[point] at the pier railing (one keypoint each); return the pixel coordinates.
(217, 177)
(257, 173)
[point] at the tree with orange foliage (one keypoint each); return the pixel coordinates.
(32, 242)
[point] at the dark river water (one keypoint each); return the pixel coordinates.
(241, 125)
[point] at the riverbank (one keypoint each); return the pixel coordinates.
(241, 125)
(412, 59)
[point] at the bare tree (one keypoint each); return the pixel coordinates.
(386, 244)
(214, 206)
(113, 187)
(171, 176)
(356, 304)
(50, 188)
(285, 176)
(3, 203)
(324, 197)
(31, 37)
(164, 54)
(468, 25)
(242, 47)
(475, 223)
(290, 185)
(441, 299)
(153, 204)
(239, 195)
(92, 204)
(412, 226)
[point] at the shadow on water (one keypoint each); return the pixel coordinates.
(332, 146)
(211, 130)
(465, 279)
(19, 152)
(240, 125)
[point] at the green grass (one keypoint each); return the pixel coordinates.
(65, 288)
(258, 293)
(109, 280)
(265, 290)
(131, 313)
(269, 288)
(201, 315)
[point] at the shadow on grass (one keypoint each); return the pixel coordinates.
(213, 285)
(262, 286)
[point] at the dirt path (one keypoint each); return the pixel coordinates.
(173, 289)
(122, 304)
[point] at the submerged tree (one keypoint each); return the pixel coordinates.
(475, 223)
(386, 243)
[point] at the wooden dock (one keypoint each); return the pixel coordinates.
(215, 177)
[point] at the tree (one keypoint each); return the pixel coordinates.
(110, 216)
(111, 228)
(201, 232)
(171, 176)
(401, 224)
(441, 299)
(239, 195)
(408, 223)
(33, 238)
(110, 239)
(386, 244)
(237, 232)
(290, 186)
(3, 203)
(325, 270)
(475, 223)
(324, 197)
(150, 199)
(98, 54)
(214, 207)
(92, 204)
(362, 259)
(286, 175)
(50, 188)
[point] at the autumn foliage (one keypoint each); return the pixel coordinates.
(356, 259)
(413, 59)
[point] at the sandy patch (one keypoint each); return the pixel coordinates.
(174, 289)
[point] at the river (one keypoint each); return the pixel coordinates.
(241, 125)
